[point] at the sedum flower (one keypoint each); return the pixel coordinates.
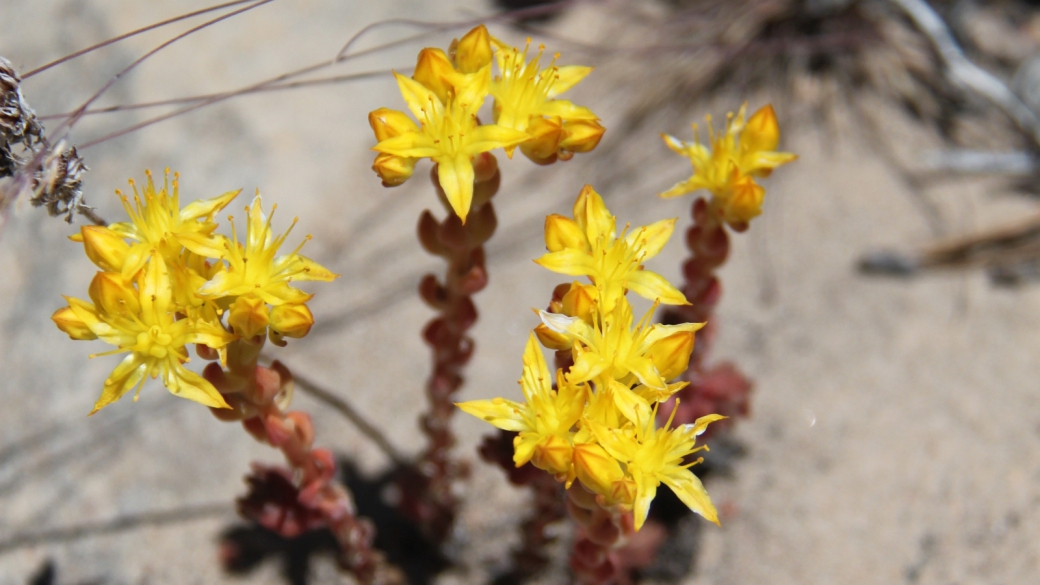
(588, 246)
(728, 164)
(142, 322)
(651, 457)
(544, 421)
(449, 135)
(254, 270)
(611, 348)
(525, 100)
(157, 223)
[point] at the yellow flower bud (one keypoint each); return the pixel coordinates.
(392, 169)
(596, 469)
(546, 134)
(435, 71)
(291, 320)
(745, 202)
(66, 320)
(581, 135)
(563, 233)
(671, 355)
(551, 339)
(248, 316)
(473, 51)
(104, 247)
(387, 123)
(113, 295)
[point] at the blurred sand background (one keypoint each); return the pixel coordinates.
(895, 433)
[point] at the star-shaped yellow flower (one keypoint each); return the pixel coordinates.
(450, 136)
(588, 246)
(654, 456)
(253, 269)
(143, 322)
(157, 223)
(611, 348)
(544, 421)
(734, 156)
(526, 100)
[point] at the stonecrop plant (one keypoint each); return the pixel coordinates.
(167, 280)
(598, 425)
(595, 437)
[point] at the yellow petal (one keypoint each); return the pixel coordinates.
(423, 102)
(181, 381)
(573, 327)
(567, 77)
(563, 233)
(499, 412)
(701, 424)
(456, 178)
(491, 136)
(580, 301)
(309, 270)
(201, 244)
(570, 261)
(411, 145)
(566, 110)
(156, 292)
(690, 490)
(129, 373)
(646, 490)
(655, 287)
(650, 239)
(592, 215)
(546, 134)
(207, 207)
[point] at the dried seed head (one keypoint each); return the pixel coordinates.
(18, 124)
(57, 185)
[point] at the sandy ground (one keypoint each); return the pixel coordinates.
(894, 437)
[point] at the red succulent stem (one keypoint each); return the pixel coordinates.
(721, 389)
(427, 491)
(305, 496)
(602, 531)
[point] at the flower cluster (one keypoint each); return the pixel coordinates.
(597, 424)
(167, 280)
(445, 95)
(727, 167)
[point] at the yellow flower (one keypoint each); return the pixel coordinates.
(743, 150)
(588, 246)
(142, 321)
(610, 349)
(544, 421)
(579, 301)
(450, 136)
(157, 223)
(525, 100)
(254, 270)
(654, 456)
